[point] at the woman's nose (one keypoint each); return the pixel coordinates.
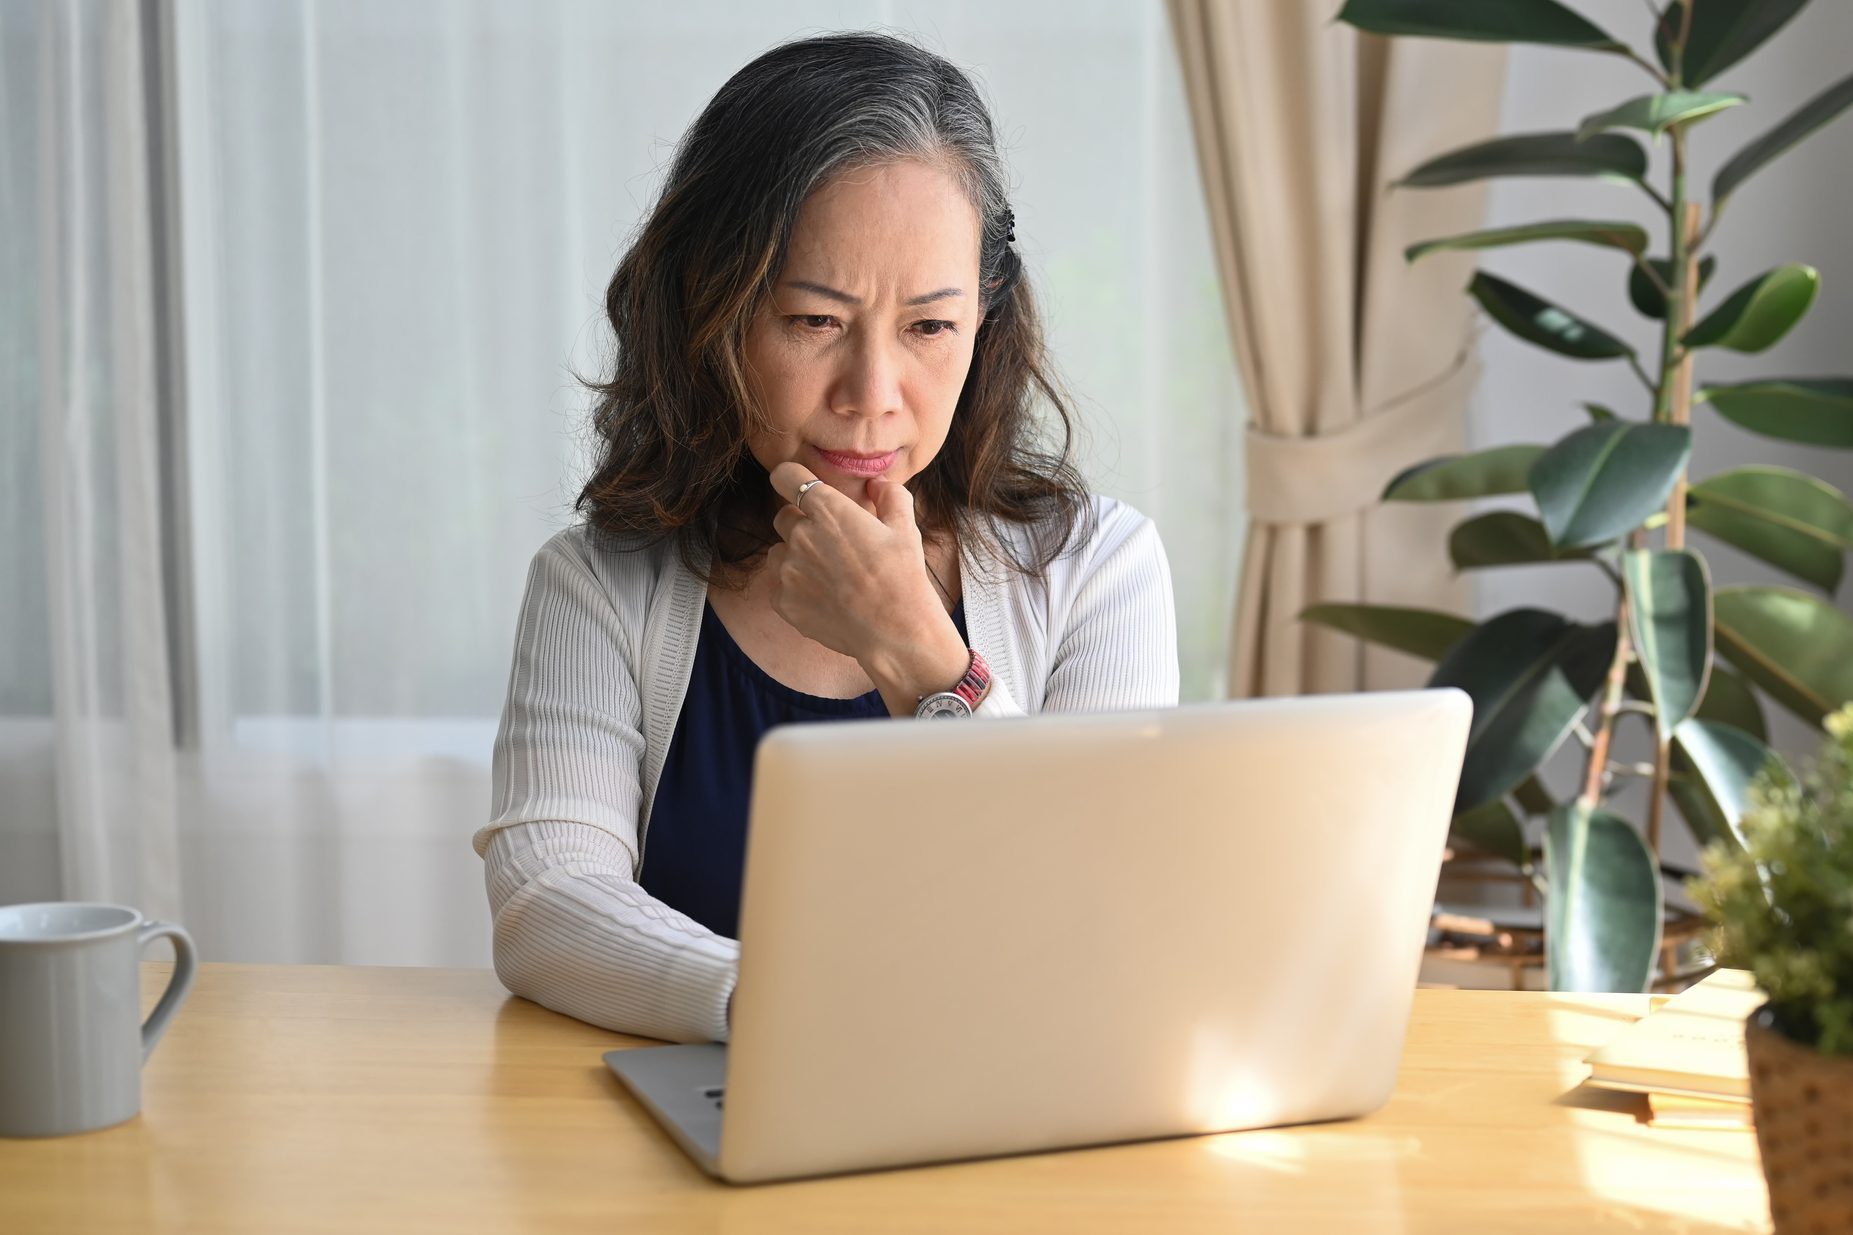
(871, 385)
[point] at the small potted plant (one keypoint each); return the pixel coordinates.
(1780, 894)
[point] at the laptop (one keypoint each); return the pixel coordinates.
(968, 940)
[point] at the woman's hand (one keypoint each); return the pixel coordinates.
(853, 577)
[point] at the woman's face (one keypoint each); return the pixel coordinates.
(859, 354)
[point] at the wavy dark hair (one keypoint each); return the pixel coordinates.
(672, 416)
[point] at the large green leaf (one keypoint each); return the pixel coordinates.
(1816, 112)
(1645, 293)
(1539, 321)
(1494, 829)
(1603, 925)
(1656, 113)
(1419, 632)
(1505, 538)
(1793, 645)
(1816, 411)
(1603, 481)
(1608, 157)
(1669, 616)
(1625, 236)
(1730, 701)
(1727, 700)
(1760, 312)
(1509, 21)
(1722, 33)
(1454, 478)
(1787, 518)
(1713, 765)
(1530, 674)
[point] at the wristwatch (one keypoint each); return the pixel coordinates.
(961, 699)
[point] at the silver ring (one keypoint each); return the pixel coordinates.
(802, 490)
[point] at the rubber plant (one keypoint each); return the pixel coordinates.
(1685, 657)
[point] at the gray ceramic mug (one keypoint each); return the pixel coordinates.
(72, 1041)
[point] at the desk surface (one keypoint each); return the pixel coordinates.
(311, 1098)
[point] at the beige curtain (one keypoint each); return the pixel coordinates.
(1355, 363)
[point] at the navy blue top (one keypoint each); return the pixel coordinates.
(695, 849)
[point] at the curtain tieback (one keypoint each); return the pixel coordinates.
(1331, 475)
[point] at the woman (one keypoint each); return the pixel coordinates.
(819, 497)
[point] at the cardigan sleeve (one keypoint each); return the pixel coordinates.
(1112, 622)
(573, 930)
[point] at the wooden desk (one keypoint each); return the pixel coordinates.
(307, 1098)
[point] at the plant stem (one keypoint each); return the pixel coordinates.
(1653, 70)
(1673, 402)
(1611, 707)
(1656, 802)
(1650, 274)
(1677, 384)
(1678, 301)
(1654, 193)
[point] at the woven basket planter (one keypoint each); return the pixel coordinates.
(1804, 1127)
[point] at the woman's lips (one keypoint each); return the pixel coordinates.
(859, 465)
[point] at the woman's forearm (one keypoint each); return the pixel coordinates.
(575, 933)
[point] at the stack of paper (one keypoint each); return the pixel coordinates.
(1667, 1110)
(1688, 1054)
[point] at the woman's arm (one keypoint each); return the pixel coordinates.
(574, 931)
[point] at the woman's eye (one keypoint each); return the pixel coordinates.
(932, 328)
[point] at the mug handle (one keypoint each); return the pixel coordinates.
(185, 964)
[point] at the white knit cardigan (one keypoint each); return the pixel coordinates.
(603, 652)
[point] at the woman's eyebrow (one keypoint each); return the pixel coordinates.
(845, 298)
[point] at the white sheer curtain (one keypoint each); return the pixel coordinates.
(396, 223)
(87, 776)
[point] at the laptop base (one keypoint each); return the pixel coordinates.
(681, 1086)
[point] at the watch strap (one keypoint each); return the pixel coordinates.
(970, 691)
(976, 683)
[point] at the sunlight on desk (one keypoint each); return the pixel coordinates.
(300, 1098)
(1681, 1174)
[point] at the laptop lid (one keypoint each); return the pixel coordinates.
(990, 937)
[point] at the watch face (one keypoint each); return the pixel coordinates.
(942, 706)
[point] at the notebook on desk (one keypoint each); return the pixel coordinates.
(1691, 1046)
(995, 937)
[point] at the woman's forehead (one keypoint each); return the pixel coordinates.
(904, 230)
